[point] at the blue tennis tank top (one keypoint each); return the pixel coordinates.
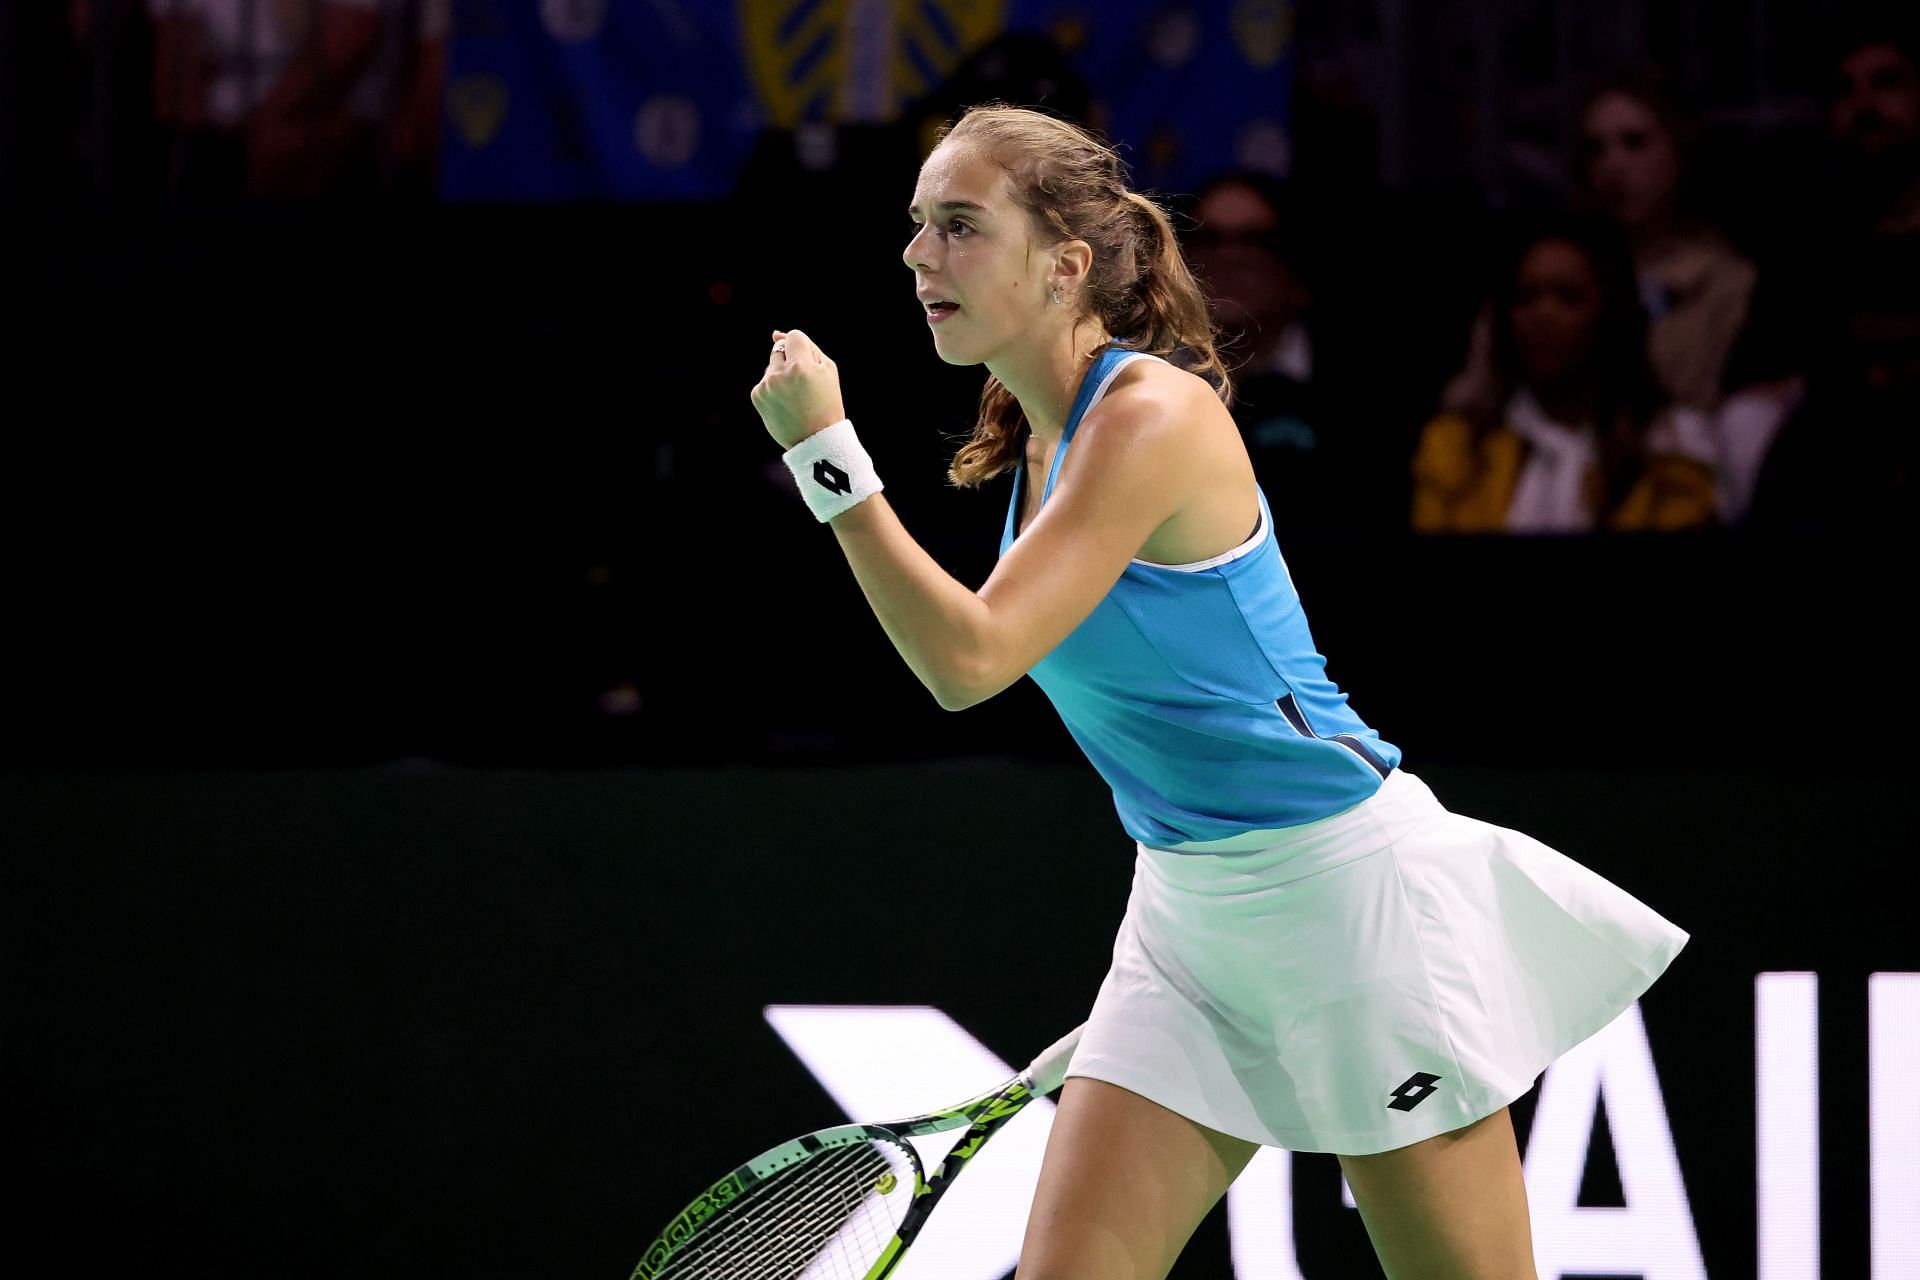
(1196, 690)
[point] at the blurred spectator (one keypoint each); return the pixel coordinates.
(1845, 462)
(293, 99)
(1636, 148)
(1636, 145)
(1306, 385)
(1579, 440)
(1874, 115)
(1810, 305)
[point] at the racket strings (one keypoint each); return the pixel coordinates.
(842, 1225)
(823, 1219)
(800, 1225)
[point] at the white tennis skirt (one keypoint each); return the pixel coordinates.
(1358, 983)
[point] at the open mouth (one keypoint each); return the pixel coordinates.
(941, 307)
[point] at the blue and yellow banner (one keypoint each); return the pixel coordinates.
(664, 99)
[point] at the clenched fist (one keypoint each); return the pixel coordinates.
(800, 392)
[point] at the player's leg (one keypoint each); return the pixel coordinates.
(1124, 1183)
(1453, 1207)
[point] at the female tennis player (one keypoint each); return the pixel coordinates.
(1316, 954)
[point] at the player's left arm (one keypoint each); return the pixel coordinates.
(1129, 470)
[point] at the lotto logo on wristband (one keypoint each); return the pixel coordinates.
(832, 471)
(831, 478)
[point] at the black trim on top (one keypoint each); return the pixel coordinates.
(1297, 718)
(1291, 710)
(1360, 748)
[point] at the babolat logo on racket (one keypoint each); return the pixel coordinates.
(1413, 1091)
(829, 1202)
(677, 1232)
(830, 477)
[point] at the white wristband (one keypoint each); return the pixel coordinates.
(832, 470)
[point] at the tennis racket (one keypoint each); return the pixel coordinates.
(841, 1203)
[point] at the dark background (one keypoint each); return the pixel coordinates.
(507, 1022)
(450, 536)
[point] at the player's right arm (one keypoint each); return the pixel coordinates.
(1131, 469)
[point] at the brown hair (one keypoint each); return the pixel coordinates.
(1139, 287)
(1677, 118)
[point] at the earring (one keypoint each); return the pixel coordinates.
(1056, 295)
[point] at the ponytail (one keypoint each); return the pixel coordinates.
(1139, 287)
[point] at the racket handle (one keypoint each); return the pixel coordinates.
(1049, 1071)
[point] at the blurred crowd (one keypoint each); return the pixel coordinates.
(1630, 367)
(1629, 363)
(213, 103)
(1619, 337)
